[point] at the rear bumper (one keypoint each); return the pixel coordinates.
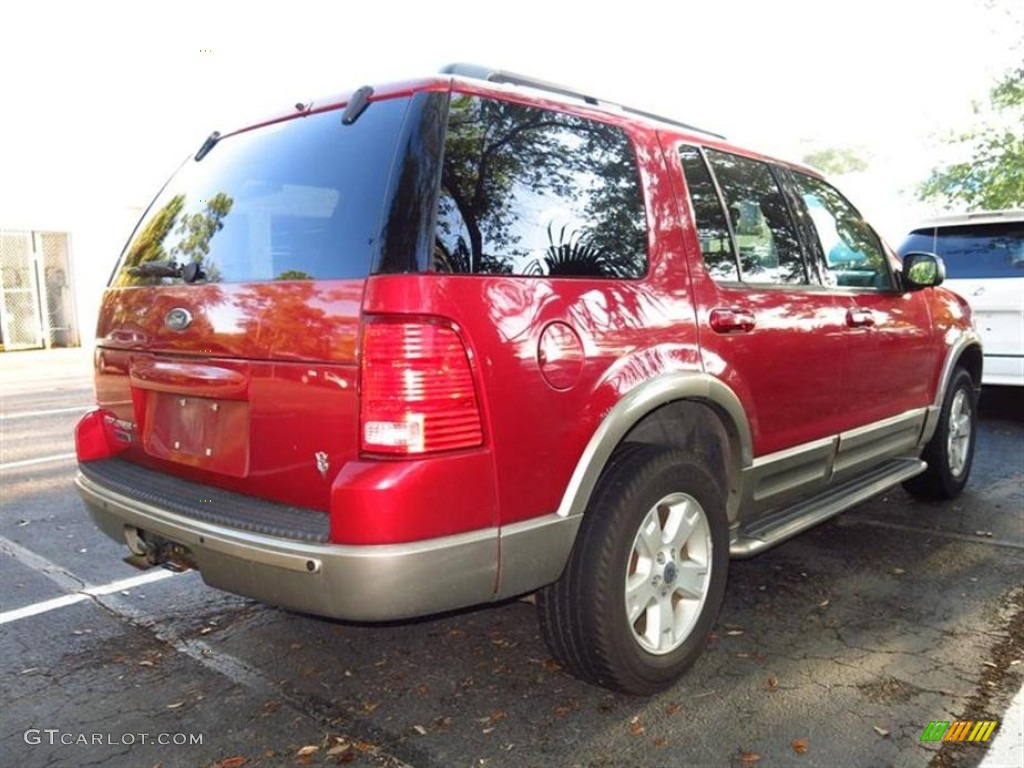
(357, 582)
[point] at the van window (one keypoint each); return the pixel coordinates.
(974, 251)
(297, 200)
(526, 191)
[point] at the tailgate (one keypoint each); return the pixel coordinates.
(256, 395)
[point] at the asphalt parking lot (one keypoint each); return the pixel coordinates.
(835, 649)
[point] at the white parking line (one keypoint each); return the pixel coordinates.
(104, 589)
(28, 414)
(30, 462)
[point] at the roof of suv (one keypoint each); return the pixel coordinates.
(979, 217)
(502, 80)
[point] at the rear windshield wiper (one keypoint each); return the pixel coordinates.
(189, 272)
(156, 269)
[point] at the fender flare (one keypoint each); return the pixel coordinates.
(628, 412)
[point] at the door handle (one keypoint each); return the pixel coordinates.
(860, 318)
(731, 320)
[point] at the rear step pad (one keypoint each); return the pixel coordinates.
(208, 504)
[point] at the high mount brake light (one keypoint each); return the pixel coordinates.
(417, 394)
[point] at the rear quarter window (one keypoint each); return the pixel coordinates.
(297, 200)
(979, 251)
(531, 192)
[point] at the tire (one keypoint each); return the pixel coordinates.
(654, 542)
(950, 452)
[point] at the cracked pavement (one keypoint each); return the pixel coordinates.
(834, 649)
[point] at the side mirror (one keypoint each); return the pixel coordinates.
(922, 270)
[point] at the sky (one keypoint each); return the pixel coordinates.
(101, 99)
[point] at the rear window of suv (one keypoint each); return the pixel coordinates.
(297, 200)
(527, 191)
(974, 251)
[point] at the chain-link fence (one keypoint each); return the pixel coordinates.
(36, 300)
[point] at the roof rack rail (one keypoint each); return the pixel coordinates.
(478, 72)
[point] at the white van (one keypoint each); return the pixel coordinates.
(984, 256)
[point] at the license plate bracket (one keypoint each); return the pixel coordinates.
(201, 432)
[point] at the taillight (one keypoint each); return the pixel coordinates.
(417, 393)
(97, 436)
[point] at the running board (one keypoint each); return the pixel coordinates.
(785, 524)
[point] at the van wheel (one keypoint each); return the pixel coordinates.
(950, 452)
(646, 577)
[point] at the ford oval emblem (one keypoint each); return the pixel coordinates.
(178, 319)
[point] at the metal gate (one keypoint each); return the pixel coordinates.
(36, 301)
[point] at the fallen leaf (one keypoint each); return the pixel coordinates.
(231, 762)
(420, 730)
(176, 705)
(773, 683)
(673, 707)
(337, 750)
(661, 741)
(881, 731)
(551, 665)
(370, 706)
(799, 746)
(308, 750)
(635, 726)
(749, 757)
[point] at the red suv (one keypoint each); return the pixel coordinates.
(448, 341)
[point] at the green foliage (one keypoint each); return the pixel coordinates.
(148, 245)
(573, 255)
(993, 177)
(836, 160)
(198, 228)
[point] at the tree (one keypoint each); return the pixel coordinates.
(836, 160)
(993, 177)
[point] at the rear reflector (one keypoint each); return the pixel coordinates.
(97, 436)
(417, 393)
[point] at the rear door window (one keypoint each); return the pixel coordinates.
(976, 251)
(765, 235)
(298, 200)
(531, 192)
